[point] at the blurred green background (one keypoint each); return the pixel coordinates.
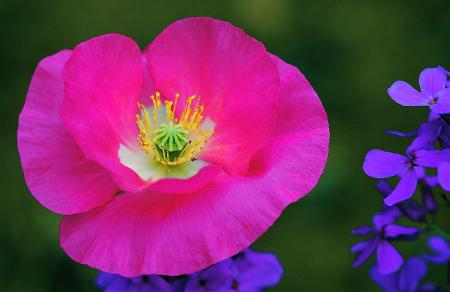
(351, 51)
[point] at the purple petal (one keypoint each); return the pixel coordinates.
(413, 210)
(438, 244)
(104, 279)
(431, 81)
(265, 270)
(444, 175)
(412, 273)
(389, 282)
(409, 208)
(359, 246)
(433, 158)
(400, 134)
(363, 230)
(420, 172)
(365, 249)
(404, 94)
(443, 69)
(432, 126)
(386, 217)
(442, 105)
(394, 231)
(112, 282)
(405, 188)
(388, 258)
(433, 116)
(158, 283)
(216, 277)
(382, 164)
(384, 188)
(444, 95)
(444, 137)
(427, 134)
(428, 200)
(440, 248)
(432, 181)
(179, 284)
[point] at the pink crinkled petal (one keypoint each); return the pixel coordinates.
(234, 76)
(148, 86)
(156, 233)
(103, 81)
(56, 171)
(299, 107)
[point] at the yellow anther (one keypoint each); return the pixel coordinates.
(169, 111)
(177, 95)
(154, 133)
(158, 98)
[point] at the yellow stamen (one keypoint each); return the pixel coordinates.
(152, 128)
(169, 112)
(175, 106)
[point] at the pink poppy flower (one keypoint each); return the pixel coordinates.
(170, 160)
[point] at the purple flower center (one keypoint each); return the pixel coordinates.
(234, 285)
(412, 158)
(433, 100)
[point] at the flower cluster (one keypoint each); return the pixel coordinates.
(423, 168)
(247, 271)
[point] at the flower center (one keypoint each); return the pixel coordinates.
(169, 138)
(433, 100)
(412, 159)
(234, 285)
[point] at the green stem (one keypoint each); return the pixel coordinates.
(436, 229)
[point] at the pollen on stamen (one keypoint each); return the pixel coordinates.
(168, 138)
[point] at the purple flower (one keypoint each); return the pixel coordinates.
(436, 128)
(215, 278)
(409, 208)
(406, 280)
(427, 134)
(247, 271)
(440, 129)
(254, 271)
(383, 164)
(432, 93)
(440, 248)
(428, 200)
(444, 131)
(113, 283)
(384, 230)
(429, 149)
